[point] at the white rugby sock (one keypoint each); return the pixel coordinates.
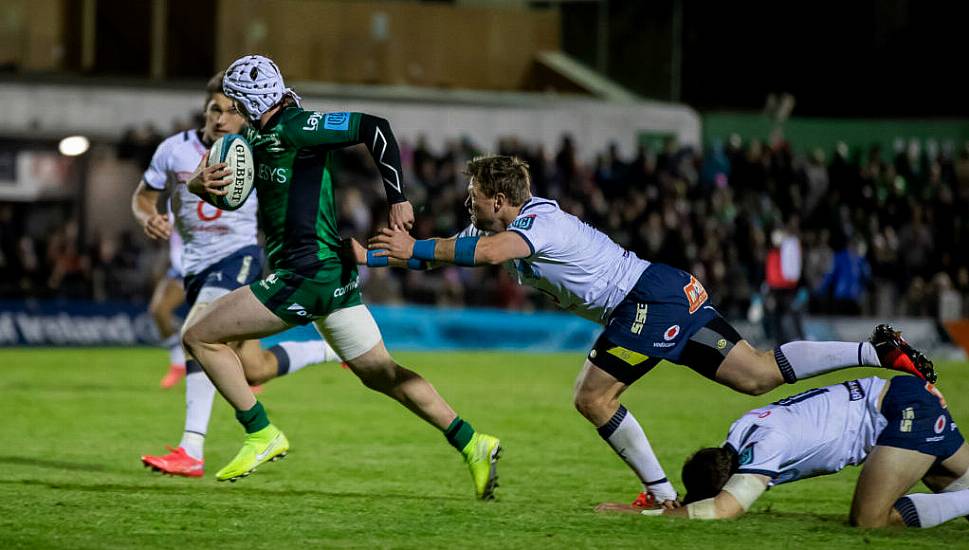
(627, 439)
(292, 356)
(176, 355)
(199, 393)
(801, 359)
(928, 510)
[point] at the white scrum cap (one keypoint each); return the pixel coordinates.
(255, 82)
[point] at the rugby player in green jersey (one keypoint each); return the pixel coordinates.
(310, 280)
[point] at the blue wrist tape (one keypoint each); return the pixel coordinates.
(464, 250)
(424, 249)
(414, 263)
(377, 261)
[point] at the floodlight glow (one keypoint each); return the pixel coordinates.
(73, 146)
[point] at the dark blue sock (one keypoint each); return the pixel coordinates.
(282, 358)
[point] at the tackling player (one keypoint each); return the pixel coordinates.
(220, 253)
(650, 311)
(310, 282)
(900, 429)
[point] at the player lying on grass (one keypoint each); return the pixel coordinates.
(650, 311)
(900, 429)
(219, 253)
(310, 282)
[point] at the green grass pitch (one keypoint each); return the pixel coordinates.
(363, 472)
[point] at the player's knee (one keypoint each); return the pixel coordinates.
(589, 405)
(258, 377)
(191, 338)
(157, 311)
(753, 386)
(869, 519)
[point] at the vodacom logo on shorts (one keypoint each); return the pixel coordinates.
(207, 212)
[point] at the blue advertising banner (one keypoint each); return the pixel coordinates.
(78, 323)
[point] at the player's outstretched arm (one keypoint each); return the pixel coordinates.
(144, 205)
(465, 251)
(379, 258)
(736, 497)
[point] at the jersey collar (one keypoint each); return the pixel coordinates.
(276, 118)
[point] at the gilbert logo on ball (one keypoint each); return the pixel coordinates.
(235, 152)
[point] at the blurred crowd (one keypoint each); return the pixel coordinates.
(768, 231)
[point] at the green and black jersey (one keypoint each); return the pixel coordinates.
(293, 156)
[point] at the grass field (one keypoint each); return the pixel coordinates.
(363, 472)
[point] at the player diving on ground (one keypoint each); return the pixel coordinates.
(900, 429)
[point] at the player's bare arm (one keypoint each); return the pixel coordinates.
(486, 250)
(144, 205)
(362, 256)
(736, 497)
(209, 179)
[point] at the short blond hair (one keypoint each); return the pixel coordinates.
(501, 174)
(212, 87)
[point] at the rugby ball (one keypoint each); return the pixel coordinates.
(235, 152)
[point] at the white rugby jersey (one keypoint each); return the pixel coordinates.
(581, 268)
(175, 248)
(813, 433)
(208, 233)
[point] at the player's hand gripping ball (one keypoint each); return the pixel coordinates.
(235, 152)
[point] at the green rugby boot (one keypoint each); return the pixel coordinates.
(481, 454)
(267, 445)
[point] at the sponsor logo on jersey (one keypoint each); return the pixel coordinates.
(935, 439)
(747, 455)
(640, 321)
(671, 333)
(908, 416)
(269, 281)
(313, 122)
(524, 223)
(345, 288)
(272, 174)
(201, 210)
(663, 344)
(695, 294)
(940, 424)
(298, 310)
(855, 391)
(337, 121)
